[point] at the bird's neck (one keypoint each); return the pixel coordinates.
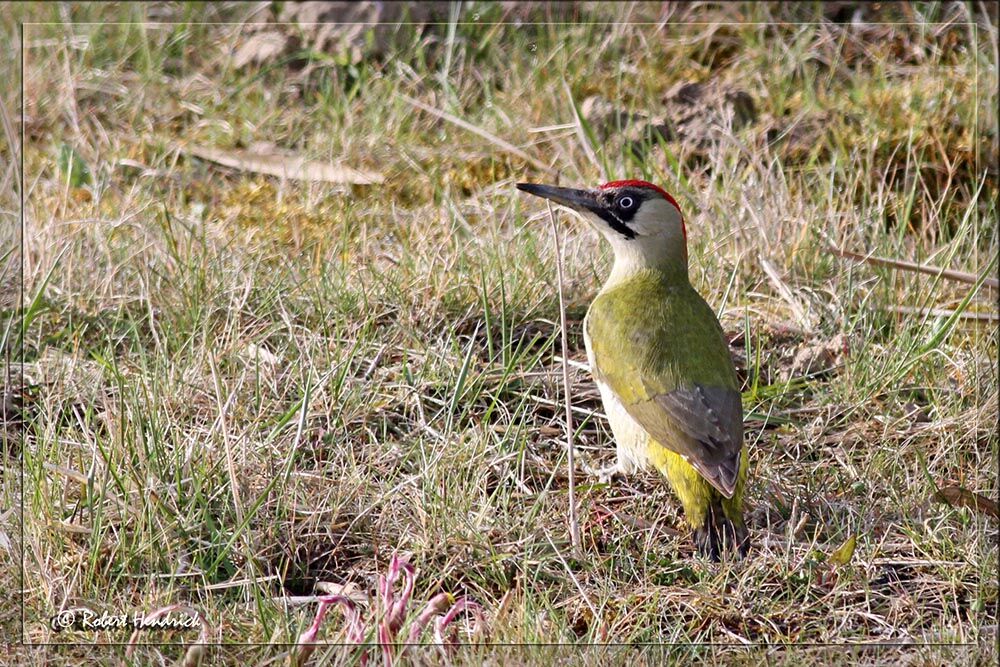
(632, 258)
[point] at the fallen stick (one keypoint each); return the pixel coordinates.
(944, 312)
(903, 265)
(492, 138)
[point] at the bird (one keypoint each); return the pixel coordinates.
(661, 362)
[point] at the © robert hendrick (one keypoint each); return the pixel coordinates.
(87, 619)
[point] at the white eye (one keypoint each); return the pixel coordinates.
(625, 202)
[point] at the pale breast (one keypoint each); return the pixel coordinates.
(630, 437)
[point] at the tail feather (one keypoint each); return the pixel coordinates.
(723, 475)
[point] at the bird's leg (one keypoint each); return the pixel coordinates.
(718, 535)
(608, 473)
(623, 465)
(604, 474)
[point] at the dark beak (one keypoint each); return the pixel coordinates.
(578, 200)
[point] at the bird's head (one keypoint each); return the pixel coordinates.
(642, 221)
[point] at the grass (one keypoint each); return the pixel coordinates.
(239, 387)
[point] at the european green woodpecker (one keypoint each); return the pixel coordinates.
(660, 359)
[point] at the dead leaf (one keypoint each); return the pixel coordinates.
(816, 359)
(844, 553)
(349, 590)
(956, 496)
(258, 353)
(285, 166)
(260, 48)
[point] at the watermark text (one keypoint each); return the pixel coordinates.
(87, 619)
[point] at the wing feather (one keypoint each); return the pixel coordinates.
(710, 421)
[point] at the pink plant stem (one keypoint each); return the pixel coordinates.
(397, 614)
(462, 604)
(435, 606)
(385, 642)
(393, 616)
(394, 611)
(355, 630)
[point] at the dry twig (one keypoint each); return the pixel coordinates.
(903, 265)
(492, 138)
(574, 525)
(284, 166)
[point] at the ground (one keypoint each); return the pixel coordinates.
(236, 390)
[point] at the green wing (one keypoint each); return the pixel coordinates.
(661, 350)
